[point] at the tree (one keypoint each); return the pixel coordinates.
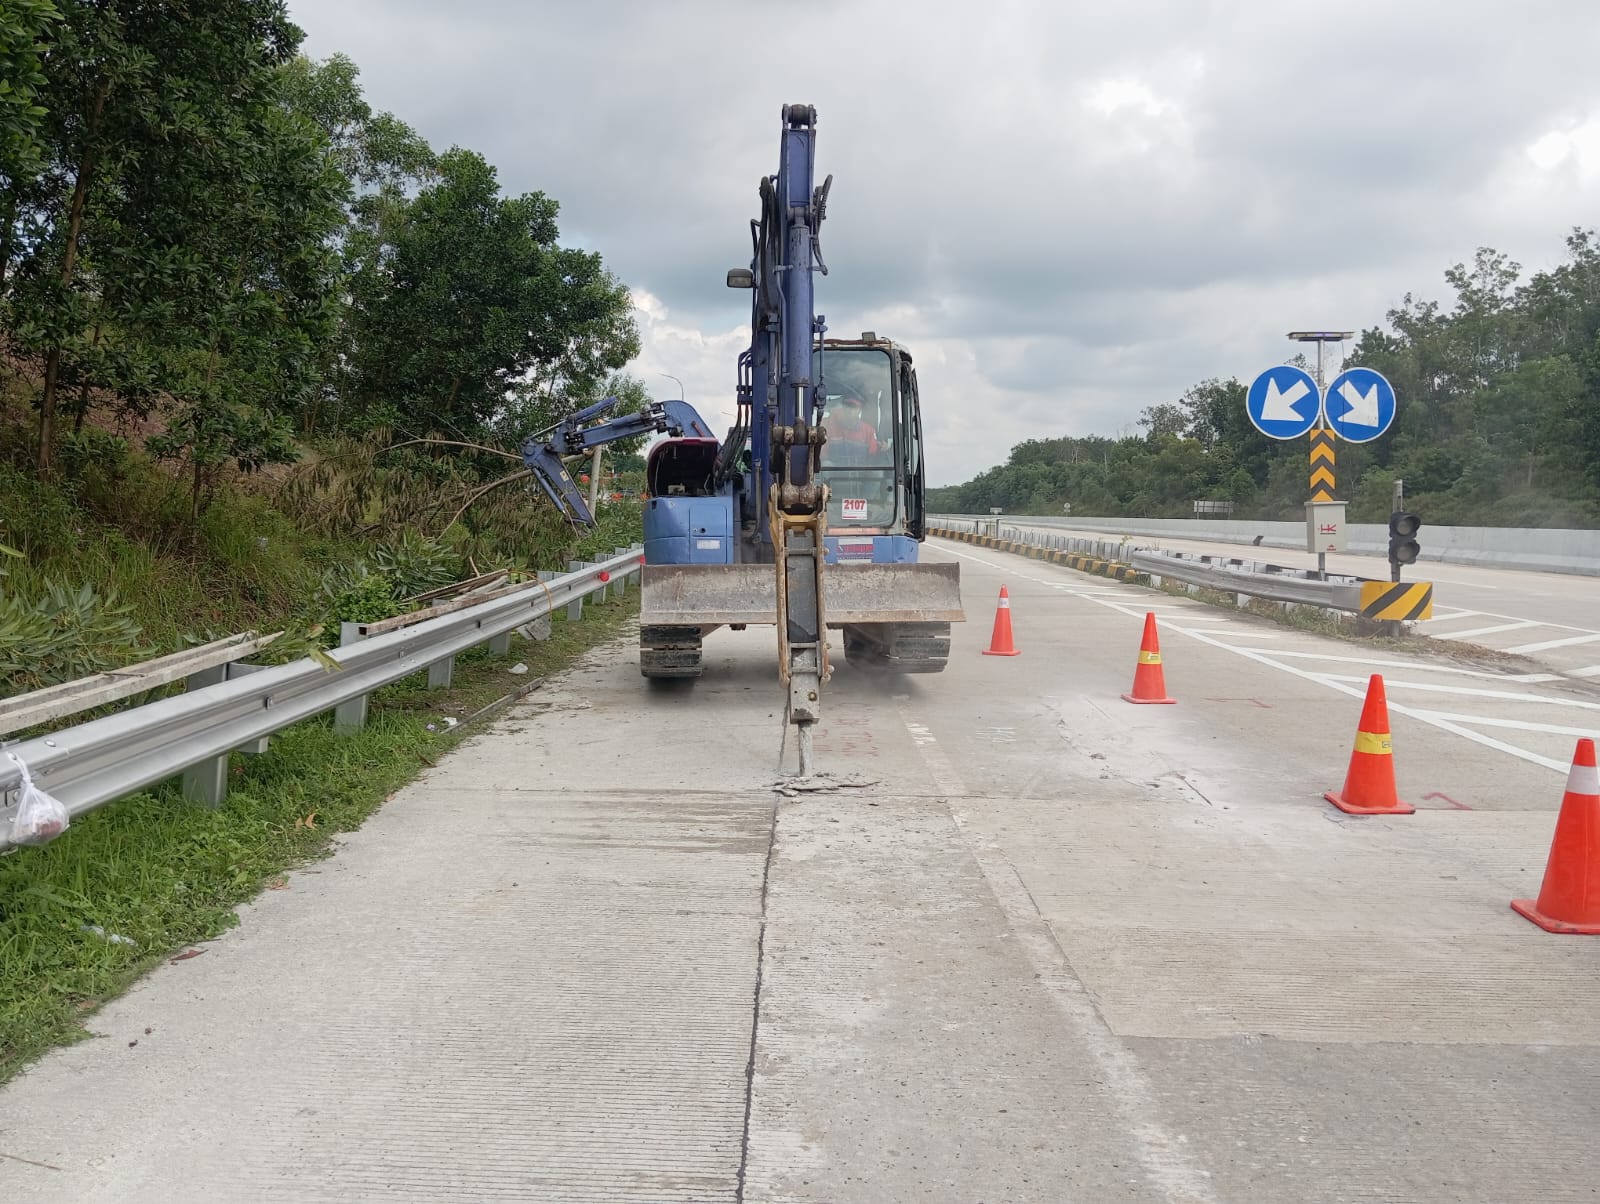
(374, 151)
(246, 335)
(26, 27)
(469, 295)
(129, 90)
(1162, 420)
(383, 162)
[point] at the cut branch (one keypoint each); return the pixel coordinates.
(454, 443)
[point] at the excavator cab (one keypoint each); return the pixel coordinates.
(872, 461)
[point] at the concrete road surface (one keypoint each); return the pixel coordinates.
(1047, 946)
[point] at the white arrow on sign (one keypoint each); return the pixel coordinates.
(1279, 407)
(1363, 406)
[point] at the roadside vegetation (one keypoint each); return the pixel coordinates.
(1499, 394)
(267, 359)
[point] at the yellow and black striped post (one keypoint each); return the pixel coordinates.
(1322, 465)
(1395, 601)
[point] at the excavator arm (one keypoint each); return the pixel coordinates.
(545, 454)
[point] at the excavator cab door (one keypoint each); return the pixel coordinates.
(911, 452)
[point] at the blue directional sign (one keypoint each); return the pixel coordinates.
(1283, 402)
(1360, 405)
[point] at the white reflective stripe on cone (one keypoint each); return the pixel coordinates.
(1584, 779)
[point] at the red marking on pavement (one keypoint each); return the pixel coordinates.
(1255, 702)
(1448, 799)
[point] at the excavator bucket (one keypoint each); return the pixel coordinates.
(714, 595)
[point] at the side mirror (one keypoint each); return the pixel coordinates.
(741, 278)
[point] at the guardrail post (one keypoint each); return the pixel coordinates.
(539, 628)
(621, 578)
(205, 677)
(350, 716)
(207, 782)
(441, 673)
(501, 645)
(575, 607)
(235, 670)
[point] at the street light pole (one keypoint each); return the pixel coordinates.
(679, 383)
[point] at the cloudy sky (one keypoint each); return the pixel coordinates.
(1067, 211)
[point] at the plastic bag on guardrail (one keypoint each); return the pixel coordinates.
(40, 817)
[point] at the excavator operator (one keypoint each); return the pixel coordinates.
(846, 425)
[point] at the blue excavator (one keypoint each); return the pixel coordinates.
(809, 513)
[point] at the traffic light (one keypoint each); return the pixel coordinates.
(1403, 547)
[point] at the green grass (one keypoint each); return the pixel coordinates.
(167, 873)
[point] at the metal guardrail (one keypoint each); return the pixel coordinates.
(1251, 578)
(193, 734)
(1225, 574)
(1105, 549)
(1533, 549)
(201, 666)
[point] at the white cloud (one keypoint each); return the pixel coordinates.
(1110, 95)
(1576, 148)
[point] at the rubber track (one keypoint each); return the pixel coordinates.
(669, 651)
(900, 648)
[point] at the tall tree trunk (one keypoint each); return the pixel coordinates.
(69, 263)
(83, 389)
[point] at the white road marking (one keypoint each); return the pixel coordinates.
(1576, 639)
(1263, 658)
(1490, 614)
(1168, 1165)
(1462, 635)
(1508, 695)
(1527, 678)
(1444, 616)
(1523, 725)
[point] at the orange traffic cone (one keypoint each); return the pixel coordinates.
(1369, 783)
(1149, 683)
(1569, 900)
(1000, 642)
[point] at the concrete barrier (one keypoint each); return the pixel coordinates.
(1528, 548)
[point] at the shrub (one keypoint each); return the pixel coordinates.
(63, 635)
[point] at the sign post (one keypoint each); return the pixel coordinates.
(1324, 515)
